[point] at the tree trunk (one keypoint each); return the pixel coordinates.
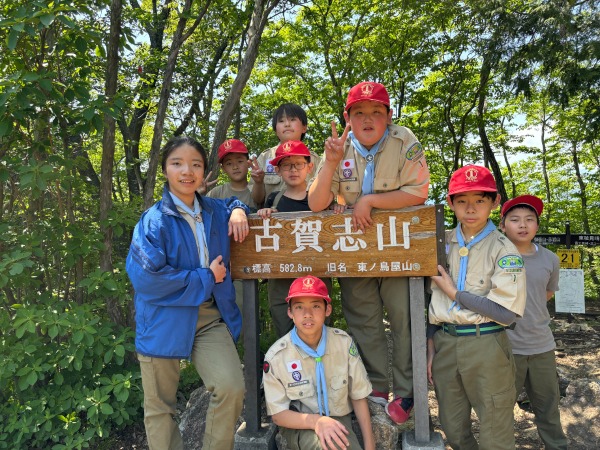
(488, 153)
(108, 152)
(262, 9)
(178, 39)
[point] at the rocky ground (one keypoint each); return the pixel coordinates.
(578, 359)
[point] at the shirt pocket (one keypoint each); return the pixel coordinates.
(386, 184)
(301, 392)
(338, 392)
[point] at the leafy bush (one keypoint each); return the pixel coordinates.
(64, 378)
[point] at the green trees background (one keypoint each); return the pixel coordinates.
(91, 89)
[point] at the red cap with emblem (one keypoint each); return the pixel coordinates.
(308, 286)
(527, 200)
(368, 90)
(471, 178)
(231, 146)
(289, 148)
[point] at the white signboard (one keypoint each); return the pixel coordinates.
(569, 297)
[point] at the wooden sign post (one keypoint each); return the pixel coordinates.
(408, 242)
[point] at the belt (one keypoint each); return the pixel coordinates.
(472, 330)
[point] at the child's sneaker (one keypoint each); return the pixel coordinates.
(381, 398)
(399, 409)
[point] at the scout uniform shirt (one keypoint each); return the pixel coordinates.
(225, 191)
(273, 182)
(495, 270)
(290, 376)
(399, 165)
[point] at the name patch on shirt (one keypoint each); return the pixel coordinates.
(511, 263)
(297, 383)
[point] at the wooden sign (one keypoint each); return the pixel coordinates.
(400, 243)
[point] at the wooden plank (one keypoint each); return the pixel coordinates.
(400, 243)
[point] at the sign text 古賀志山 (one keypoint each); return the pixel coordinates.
(399, 243)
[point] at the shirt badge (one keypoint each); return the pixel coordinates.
(348, 164)
(293, 366)
(297, 376)
(347, 173)
(270, 168)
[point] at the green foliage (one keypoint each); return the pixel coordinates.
(65, 379)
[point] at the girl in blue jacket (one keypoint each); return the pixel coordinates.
(185, 307)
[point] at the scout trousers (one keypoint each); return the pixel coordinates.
(278, 289)
(215, 357)
(538, 374)
(363, 300)
(475, 372)
(308, 439)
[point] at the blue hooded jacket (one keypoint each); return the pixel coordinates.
(164, 268)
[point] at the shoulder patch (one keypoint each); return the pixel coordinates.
(511, 262)
(353, 350)
(415, 152)
(266, 367)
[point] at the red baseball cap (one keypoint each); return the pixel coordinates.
(528, 200)
(231, 146)
(308, 286)
(471, 178)
(368, 90)
(289, 148)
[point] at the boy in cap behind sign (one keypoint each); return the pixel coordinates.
(314, 377)
(483, 291)
(234, 160)
(289, 122)
(532, 340)
(376, 165)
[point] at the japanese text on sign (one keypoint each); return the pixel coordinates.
(400, 243)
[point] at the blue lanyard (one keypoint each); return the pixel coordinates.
(322, 398)
(463, 251)
(369, 155)
(196, 214)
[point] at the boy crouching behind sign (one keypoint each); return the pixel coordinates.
(314, 377)
(469, 354)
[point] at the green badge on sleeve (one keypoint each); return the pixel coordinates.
(511, 262)
(353, 350)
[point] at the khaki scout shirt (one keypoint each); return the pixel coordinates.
(225, 191)
(274, 182)
(495, 270)
(290, 376)
(399, 165)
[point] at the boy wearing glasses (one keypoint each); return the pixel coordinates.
(292, 163)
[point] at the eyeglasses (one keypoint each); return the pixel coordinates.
(289, 166)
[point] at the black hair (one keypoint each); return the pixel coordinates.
(292, 299)
(387, 109)
(491, 195)
(175, 142)
(523, 206)
(290, 110)
(307, 158)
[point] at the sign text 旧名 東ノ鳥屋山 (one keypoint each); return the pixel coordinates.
(400, 243)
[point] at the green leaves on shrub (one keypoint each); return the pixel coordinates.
(64, 379)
